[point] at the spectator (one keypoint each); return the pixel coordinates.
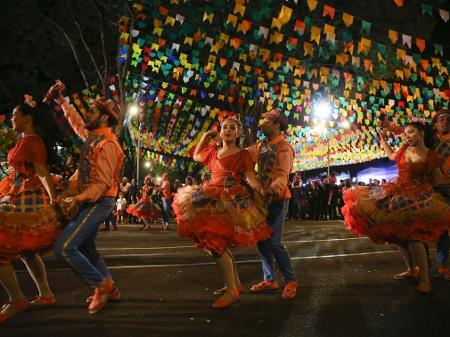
(121, 204)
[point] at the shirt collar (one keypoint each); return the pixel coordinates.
(276, 139)
(101, 131)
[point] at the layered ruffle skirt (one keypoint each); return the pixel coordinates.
(145, 208)
(396, 214)
(217, 218)
(28, 223)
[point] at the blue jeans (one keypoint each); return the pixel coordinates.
(274, 247)
(77, 244)
(443, 243)
(166, 211)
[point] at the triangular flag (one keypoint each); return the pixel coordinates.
(399, 3)
(328, 11)
(393, 36)
(406, 39)
(312, 4)
(348, 19)
(444, 15)
(420, 43)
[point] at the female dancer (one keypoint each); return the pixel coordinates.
(223, 212)
(145, 208)
(28, 221)
(406, 211)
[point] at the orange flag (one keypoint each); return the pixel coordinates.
(420, 43)
(328, 11)
(393, 36)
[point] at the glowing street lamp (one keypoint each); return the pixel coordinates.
(133, 110)
(148, 164)
(322, 110)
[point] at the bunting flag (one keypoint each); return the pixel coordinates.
(189, 67)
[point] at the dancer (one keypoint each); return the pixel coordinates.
(224, 212)
(145, 208)
(94, 187)
(406, 211)
(275, 160)
(166, 200)
(28, 219)
(441, 123)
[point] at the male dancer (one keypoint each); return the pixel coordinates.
(166, 201)
(96, 183)
(275, 159)
(441, 123)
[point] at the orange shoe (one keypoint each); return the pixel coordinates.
(264, 286)
(444, 272)
(42, 302)
(289, 290)
(423, 287)
(407, 275)
(114, 295)
(227, 299)
(11, 309)
(222, 291)
(101, 296)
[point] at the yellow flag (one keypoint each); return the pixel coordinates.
(276, 37)
(239, 8)
(170, 21)
(308, 47)
(348, 19)
(401, 53)
(315, 34)
(285, 14)
(393, 36)
(312, 4)
(208, 17)
(231, 19)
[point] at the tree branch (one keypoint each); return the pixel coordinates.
(88, 50)
(122, 71)
(72, 47)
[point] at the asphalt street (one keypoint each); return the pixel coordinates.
(345, 289)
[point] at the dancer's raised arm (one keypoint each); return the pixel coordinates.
(70, 113)
(206, 138)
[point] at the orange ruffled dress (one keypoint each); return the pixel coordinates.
(223, 212)
(403, 210)
(28, 223)
(145, 208)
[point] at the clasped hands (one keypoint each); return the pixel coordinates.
(55, 91)
(68, 205)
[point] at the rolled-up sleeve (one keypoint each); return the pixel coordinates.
(281, 169)
(75, 120)
(105, 166)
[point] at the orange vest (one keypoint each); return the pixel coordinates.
(88, 157)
